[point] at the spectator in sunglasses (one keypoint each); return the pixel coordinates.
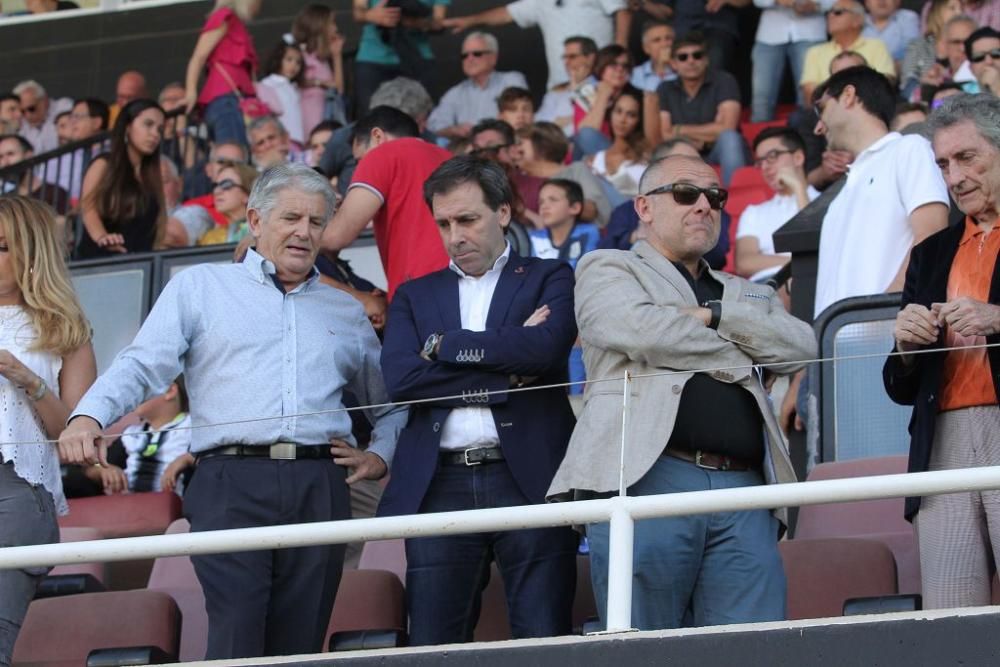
(475, 98)
(38, 115)
(703, 106)
(845, 21)
(230, 193)
(718, 430)
(982, 48)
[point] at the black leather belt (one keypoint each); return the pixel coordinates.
(473, 456)
(710, 461)
(281, 451)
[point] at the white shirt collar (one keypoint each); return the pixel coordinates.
(497, 265)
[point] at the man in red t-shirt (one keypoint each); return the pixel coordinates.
(388, 188)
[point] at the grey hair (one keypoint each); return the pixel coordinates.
(404, 94)
(981, 109)
(961, 18)
(264, 121)
(31, 85)
(491, 42)
(301, 177)
(171, 167)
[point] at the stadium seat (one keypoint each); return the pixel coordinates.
(751, 130)
(175, 576)
(370, 602)
(59, 632)
(124, 515)
(73, 534)
(384, 555)
(824, 573)
(874, 519)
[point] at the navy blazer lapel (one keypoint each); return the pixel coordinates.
(511, 279)
(446, 297)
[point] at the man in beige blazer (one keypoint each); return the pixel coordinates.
(659, 308)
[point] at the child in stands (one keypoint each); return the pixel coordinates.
(155, 449)
(281, 88)
(564, 237)
(315, 30)
(516, 106)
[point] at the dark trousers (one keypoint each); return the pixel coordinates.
(275, 602)
(445, 576)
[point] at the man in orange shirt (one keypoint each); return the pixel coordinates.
(951, 300)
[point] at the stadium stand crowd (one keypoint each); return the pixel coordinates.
(624, 219)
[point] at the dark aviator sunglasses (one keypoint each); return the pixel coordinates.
(687, 194)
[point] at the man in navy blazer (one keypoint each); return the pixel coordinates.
(462, 337)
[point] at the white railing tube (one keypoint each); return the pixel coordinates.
(507, 518)
(620, 545)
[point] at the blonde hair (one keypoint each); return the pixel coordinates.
(39, 268)
(240, 7)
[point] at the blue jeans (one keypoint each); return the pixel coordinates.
(445, 576)
(729, 152)
(710, 569)
(768, 68)
(225, 120)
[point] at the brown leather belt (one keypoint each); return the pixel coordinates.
(710, 461)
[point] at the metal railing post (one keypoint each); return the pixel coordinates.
(620, 545)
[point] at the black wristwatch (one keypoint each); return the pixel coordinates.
(716, 307)
(431, 347)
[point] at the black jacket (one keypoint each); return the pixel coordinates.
(918, 385)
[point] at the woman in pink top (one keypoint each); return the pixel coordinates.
(315, 30)
(225, 52)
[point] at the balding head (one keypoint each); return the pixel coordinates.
(681, 208)
(131, 86)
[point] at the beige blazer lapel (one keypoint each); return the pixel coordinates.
(664, 268)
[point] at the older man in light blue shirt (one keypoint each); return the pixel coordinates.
(896, 27)
(474, 99)
(267, 352)
(657, 41)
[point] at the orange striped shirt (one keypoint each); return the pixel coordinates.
(967, 381)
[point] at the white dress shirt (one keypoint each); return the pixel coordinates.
(782, 25)
(474, 427)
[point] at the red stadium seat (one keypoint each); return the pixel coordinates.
(175, 576)
(368, 600)
(751, 130)
(125, 515)
(874, 519)
(384, 555)
(63, 631)
(72, 534)
(823, 574)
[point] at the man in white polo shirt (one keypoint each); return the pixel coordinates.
(893, 198)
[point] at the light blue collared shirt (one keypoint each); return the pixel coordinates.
(248, 350)
(645, 78)
(903, 27)
(466, 102)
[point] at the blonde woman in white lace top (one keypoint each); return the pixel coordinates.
(46, 365)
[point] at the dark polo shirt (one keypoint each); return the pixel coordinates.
(719, 86)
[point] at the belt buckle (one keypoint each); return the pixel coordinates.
(697, 462)
(282, 451)
(465, 455)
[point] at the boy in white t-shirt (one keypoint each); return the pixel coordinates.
(780, 154)
(156, 448)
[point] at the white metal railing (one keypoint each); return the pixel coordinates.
(621, 511)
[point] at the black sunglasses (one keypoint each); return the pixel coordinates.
(227, 184)
(694, 55)
(474, 54)
(30, 109)
(980, 57)
(839, 11)
(687, 194)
